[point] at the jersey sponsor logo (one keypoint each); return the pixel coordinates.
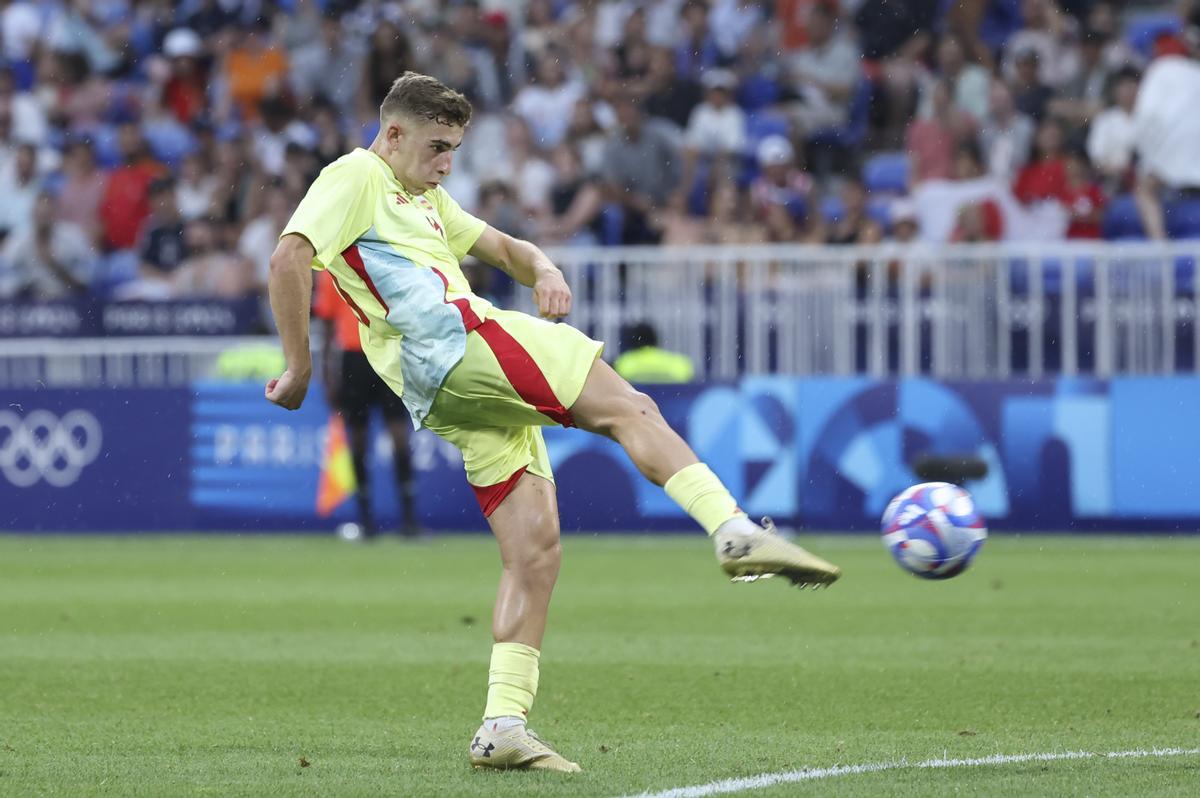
(42, 446)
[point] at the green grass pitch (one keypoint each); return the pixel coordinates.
(305, 666)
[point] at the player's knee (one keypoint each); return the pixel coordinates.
(538, 563)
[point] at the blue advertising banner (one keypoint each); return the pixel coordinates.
(823, 453)
(95, 317)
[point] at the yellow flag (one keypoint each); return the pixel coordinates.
(337, 472)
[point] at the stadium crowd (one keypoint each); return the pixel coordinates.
(154, 150)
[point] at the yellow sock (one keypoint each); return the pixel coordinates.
(512, 680)
(702, 496)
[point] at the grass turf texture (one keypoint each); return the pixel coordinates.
(302, 666)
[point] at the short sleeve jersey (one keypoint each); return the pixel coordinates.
(394, 258)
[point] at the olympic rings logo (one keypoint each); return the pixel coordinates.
(43, 446)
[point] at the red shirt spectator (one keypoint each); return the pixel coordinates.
(1084, 200)
(1045, 177)
(126, 203)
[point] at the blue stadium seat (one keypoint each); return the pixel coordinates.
(1183, 218)
(880, 209)
(1121, 219)
(832, 208)
(760, 124)
(886, 172)
(1141, 30)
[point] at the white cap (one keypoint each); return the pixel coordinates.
(775, 150)
(182, 42)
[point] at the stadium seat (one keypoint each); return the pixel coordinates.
(760, 124)
(886, 172)
(1183, 218)
(1142, 30)
(832, 208)
(1121, 219)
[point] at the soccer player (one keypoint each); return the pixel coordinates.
(486, 379)
(352, 388)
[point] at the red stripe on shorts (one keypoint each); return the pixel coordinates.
(355, 261)
(523, 372)
(490, 496)
(516, 363)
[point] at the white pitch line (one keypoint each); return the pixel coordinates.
(788, 777)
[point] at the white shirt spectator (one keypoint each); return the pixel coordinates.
(1111, 139)
(1166, 122)
(713, 130)
(22, 25)
(69, 246)
(732, 22)
(547, 110)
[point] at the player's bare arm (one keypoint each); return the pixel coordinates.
(528, 265)
(290, 287)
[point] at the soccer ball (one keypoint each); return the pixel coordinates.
(933, 530)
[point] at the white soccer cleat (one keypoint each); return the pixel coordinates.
(749, 556)
(516, 748)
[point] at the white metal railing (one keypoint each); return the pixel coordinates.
(951, 312)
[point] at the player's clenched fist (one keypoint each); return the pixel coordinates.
(288, 390)
(552, 295)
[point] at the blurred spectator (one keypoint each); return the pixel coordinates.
(261, 234)
(970, 83)
(780, 183)
(906, 225)
(48, 258)
(644, 362)
(326, 58)
(1167, 129)
(575, 200)
(69, 92)
(207, 271)
(125, 205)
(641, 169)
(1007, 136)
(1083, 198)
(196, 187)
(180, 85)
(822, 76)
(254, 69)
(162, 247)
(697, 49)
(28, 120)
(275, 130)
(671, 96)
(548, 103)
(733, 22)
(82, 189)
(1031, 94)
(1045, 176)
(1112, 135)
(388, 57)
(586, 136)
(716, 131)
(728, 220)
(931, 141)
(19, 186)
(853, 225)
(1049, 34)
(978, 223)
(896, 38)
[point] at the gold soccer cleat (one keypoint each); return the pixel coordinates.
(516, 748)
(763, 554)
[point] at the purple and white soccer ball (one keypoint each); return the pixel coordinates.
(933, 530)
